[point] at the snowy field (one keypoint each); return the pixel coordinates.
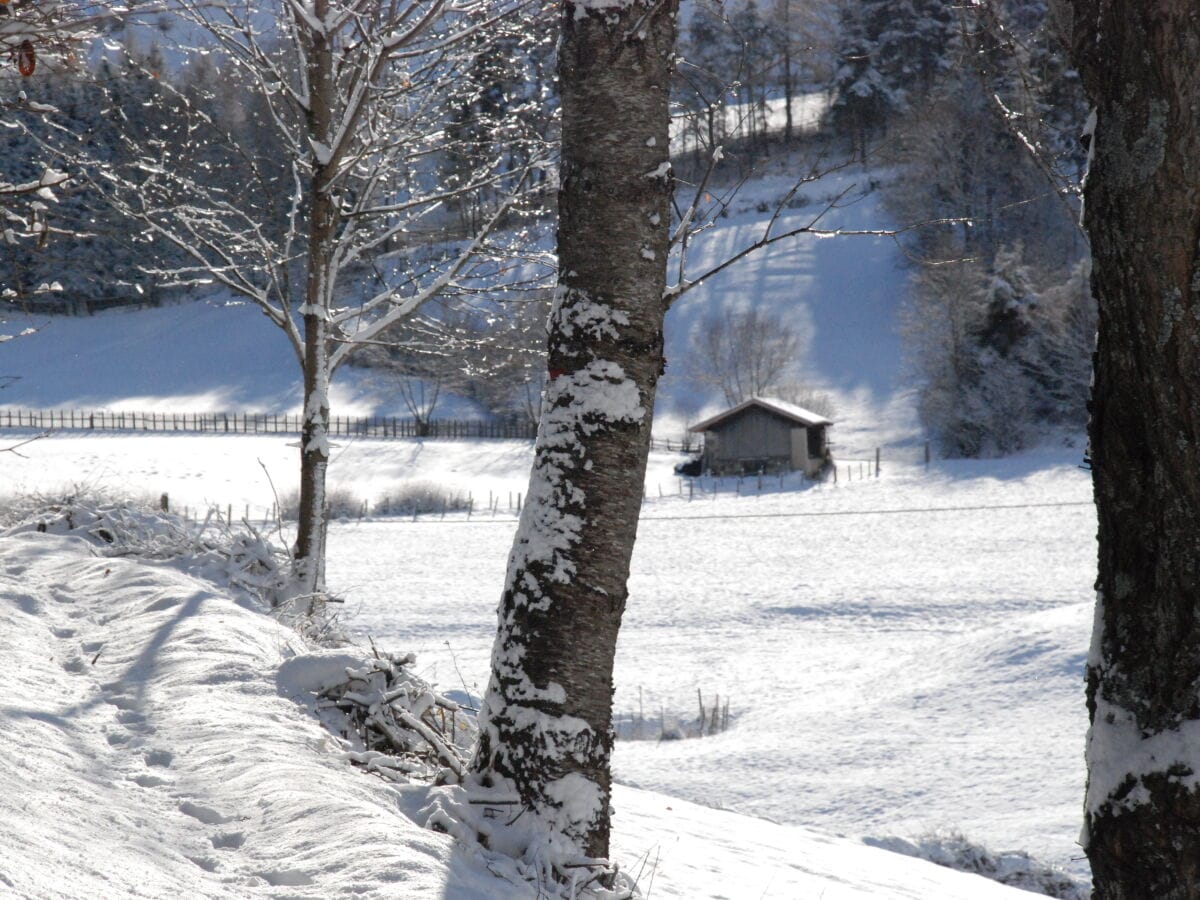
(901, 657)
(157, 745)
(807, 112)
(887, 672)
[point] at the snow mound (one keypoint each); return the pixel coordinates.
(151, 753)
(1013, 867)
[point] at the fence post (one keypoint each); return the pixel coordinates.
(927, 454)
(876, 462)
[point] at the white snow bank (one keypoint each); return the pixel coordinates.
(149, 753)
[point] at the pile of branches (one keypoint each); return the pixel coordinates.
(405, 730)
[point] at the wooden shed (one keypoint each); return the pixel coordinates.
(763, 434)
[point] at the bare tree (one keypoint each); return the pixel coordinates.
(1142, 213)
(351, 93)
(744, 354)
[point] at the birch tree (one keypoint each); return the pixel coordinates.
(546, 719)
(1142, 213)
(326, 240)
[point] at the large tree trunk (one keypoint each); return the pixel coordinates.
(1141, 67)
(546, 721)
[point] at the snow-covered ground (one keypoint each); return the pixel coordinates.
(891, 688)
(901, 656)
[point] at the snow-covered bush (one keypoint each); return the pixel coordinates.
(241, 557)
(340, 503)
(1015, 868)
(393, 723)
(412, 498)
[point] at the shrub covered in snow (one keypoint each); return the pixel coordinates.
(413, 498)
(392, 722)
(340, 503)
(1015, 868)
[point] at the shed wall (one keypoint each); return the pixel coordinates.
(755, 434)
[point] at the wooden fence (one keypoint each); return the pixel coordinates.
(690, 444)
(262, 423)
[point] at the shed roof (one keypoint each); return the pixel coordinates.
(782, 408)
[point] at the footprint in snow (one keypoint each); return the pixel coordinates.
(228, 840)
(118, 738)
(286, 878)
(134, 721)
(205, 814)
(160, 758)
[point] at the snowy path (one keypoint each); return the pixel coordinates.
(148, 753)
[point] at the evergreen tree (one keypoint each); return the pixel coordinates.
(892, 52)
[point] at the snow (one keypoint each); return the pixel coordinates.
(164, 717)
(1120, 756)
(150, 752)
(791, 410)
(901, 655)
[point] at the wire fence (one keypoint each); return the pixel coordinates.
(386, 427)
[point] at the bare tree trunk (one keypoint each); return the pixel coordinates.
(546, 719)
(789, 89)
(1142, 212)
(314, 442)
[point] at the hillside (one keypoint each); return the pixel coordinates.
(841, 294)
(163, 715)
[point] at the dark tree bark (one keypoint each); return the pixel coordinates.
(1141, 68)
(546, 721)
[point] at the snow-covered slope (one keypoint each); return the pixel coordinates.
(204, 355)
(841, 294)
(900, 655)
(151, 750)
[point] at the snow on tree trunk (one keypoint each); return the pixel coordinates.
(546, 720)
(314, 460)
(1142, 211)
